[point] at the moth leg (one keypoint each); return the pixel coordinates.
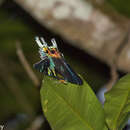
(49, 71)
(54, 72)
(62, 81)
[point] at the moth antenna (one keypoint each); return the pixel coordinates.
(38, 42)
(43, 41)
(54, 42)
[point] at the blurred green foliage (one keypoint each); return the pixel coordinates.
(123, 6)
(12, 30)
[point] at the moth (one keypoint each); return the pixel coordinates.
(53, 63)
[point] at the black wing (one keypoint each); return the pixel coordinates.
(64, 69)
(42, 66)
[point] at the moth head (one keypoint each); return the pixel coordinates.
(48, 50)
(53, 50)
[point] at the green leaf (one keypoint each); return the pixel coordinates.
(117, 104)
(71, 107)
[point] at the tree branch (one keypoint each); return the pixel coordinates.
(26, 65)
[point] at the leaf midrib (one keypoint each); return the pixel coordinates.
(74, 111)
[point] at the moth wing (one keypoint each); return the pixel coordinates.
(64, 69)
(42, 65)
